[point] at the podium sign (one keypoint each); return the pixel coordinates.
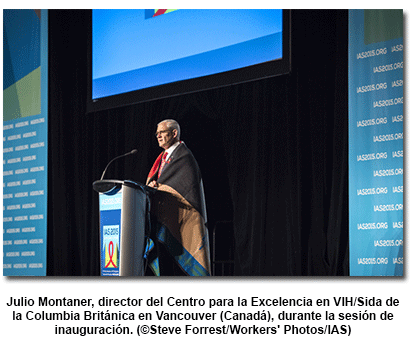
(110, 227)
(124, 209)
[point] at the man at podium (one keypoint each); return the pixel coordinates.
(179, 243)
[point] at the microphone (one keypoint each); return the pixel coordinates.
(133, 152)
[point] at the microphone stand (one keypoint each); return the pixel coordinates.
(133, 152)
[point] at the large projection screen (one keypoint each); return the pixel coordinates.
(140, 55)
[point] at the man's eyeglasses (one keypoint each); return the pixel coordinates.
(161, 132)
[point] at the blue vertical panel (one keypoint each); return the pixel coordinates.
(376, 142)
(25, 133)
(110, 227)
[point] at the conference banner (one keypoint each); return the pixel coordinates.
(25, 133)
(376, 116)
(110, 225)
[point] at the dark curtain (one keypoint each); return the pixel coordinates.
(273, 153)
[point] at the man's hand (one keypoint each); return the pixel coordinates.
(153, 184)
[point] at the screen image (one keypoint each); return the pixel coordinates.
(140, 49)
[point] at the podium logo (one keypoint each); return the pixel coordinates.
(111, 255)
(111, 240)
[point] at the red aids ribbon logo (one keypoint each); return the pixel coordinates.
(111, 254)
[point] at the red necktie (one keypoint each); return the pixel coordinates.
(163, 162)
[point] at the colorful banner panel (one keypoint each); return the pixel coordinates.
(25, 133)
(150, 13)
(376, 118)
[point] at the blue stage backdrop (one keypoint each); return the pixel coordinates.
(376, 118)
(25, 133)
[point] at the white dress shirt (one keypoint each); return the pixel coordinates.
(171, 149)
